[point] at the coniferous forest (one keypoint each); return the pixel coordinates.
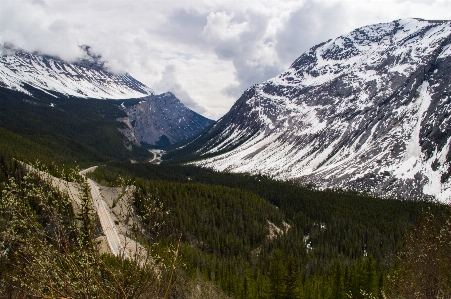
(218, 234)
(328, 244)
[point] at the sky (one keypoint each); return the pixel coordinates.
(206, 52)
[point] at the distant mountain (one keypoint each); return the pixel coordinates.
(369, 110)
(156, 120)
(85, 78)
(161, 120)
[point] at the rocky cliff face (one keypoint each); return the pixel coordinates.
(369, 110)
(161, 120)
(85, 78)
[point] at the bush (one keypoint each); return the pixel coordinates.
(424, 269)
(48, 251)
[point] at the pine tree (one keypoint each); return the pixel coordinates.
(246, 291)
(262, 286)
(277, 275)
(338, 291)
(291, 279)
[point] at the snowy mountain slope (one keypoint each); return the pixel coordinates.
(86, 78)
(162, 120)
(369, 110)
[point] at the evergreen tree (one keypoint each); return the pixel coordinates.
(291, 280)
(277, 275)
(262, 286)
(338, 287)
(246, 291)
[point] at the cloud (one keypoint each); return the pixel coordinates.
(309, 25)
(247, 43)
(169, 82)
(39, 2)
(182, 27)
(205, 51)
(28, 26)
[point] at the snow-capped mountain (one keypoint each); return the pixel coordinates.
(156, 119)
(369, 110)
(162, 120)
(87, 77)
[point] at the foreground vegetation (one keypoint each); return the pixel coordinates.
(48, 251)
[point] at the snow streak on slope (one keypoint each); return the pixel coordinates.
(84, 78)
(369, 110)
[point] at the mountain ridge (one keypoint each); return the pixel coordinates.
(367, 111)
(85, 78)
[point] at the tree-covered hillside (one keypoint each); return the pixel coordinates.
(62, 130)
(334, 242)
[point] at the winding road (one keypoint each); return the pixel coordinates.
(108, 226)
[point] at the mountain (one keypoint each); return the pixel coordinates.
(368, 111)
(156, 120)
(161, 120)
(87, 77)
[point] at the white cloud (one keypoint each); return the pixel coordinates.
(214, 48)
(169, 82)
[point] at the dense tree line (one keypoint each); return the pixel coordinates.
(224, 221)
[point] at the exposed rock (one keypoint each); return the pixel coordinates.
(161, 120)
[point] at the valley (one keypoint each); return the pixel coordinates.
(330, 180)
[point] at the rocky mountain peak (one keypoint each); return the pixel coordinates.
(91, 59)
(161, 120)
